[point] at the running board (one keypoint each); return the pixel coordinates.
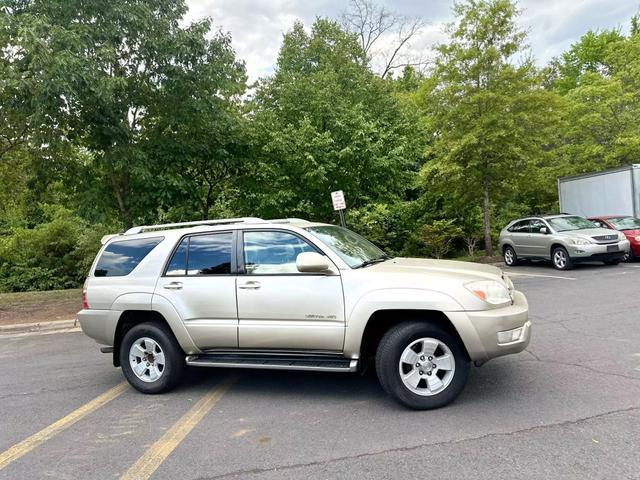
(275, 362)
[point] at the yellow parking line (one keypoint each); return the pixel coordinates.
(159, 451)
(28, 444)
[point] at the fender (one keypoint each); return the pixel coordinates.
(161, 305)
(391, 299)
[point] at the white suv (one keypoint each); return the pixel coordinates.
(291, 294)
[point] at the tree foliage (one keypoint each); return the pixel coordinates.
(115, 112)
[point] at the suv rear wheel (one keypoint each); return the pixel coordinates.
(421, 365)
(560, 259)
(151, 359)
(510, 257)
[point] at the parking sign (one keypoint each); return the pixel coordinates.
(338, 200)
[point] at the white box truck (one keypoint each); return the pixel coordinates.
(611, 192)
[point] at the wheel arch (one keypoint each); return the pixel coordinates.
(128, 319)
(381, 321)
(555, 245)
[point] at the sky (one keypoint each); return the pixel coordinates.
(257, 26)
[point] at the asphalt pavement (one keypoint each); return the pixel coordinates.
(568, 407)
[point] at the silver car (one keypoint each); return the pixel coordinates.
(297, 295)
(563, 239)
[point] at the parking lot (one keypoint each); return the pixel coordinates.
(568, 407)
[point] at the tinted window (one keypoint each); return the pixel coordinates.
(120, 258)
(520, 227)
(209, 254)
(273, 252)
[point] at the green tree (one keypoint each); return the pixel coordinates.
(324, 122)
(489, 119)
(602, 130)
(116, 62)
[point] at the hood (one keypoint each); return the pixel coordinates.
(589, 232)
(438, 268)
(630, 233)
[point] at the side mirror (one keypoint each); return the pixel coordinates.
(544, 230)
(312, 262)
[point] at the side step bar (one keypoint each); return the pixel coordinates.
(275, 362)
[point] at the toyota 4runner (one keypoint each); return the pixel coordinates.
(291, 294)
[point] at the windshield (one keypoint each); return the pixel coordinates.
(349, 246)
(625, 223)
(564, 224)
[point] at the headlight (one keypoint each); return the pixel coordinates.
(637, 238)
(489, 291)
(580, 241)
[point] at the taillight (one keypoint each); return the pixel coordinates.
(85, 303)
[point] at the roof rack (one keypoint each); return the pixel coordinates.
(288, 220)
(165, 226)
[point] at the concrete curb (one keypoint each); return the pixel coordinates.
(39, 327)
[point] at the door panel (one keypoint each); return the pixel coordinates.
(291, 312)
(281, 308)
(538, 244)
(520, 237)
(199, 284)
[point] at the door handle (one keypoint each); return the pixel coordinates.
(250, 285)
(173, 286)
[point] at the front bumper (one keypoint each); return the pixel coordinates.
(479, 329)
(598, 252)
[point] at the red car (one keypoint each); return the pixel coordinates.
(630, 226)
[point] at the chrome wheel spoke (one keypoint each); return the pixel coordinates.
(412, 378)
(434, 383)
(138, 350)
(409, 356)
(429, 346)
(159, 359)
(444, 362)
(139, 368)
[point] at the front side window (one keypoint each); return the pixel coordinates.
(202, 255)
(536, 225)
(272, 252)
(565, 224)
(353, 249)
(120, 258)
(520, 227)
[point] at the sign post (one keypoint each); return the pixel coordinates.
(337, 198)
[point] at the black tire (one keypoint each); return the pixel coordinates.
(392, 346)
(615, 261)
(510, 257)
(173, 367)
(629, 257)
(562, 253)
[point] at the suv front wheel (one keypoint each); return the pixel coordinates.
(561, 259)
(421, 365)
(151, 359)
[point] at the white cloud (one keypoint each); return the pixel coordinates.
(257, 26)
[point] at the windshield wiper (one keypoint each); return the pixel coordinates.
(373, 261)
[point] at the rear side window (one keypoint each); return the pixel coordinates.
(520, 227)
(202, 255)
(120, 258)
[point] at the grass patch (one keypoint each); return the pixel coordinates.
(34, 307)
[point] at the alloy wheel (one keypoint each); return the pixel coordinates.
(560, 259)
(427, 366)
(147, 359)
